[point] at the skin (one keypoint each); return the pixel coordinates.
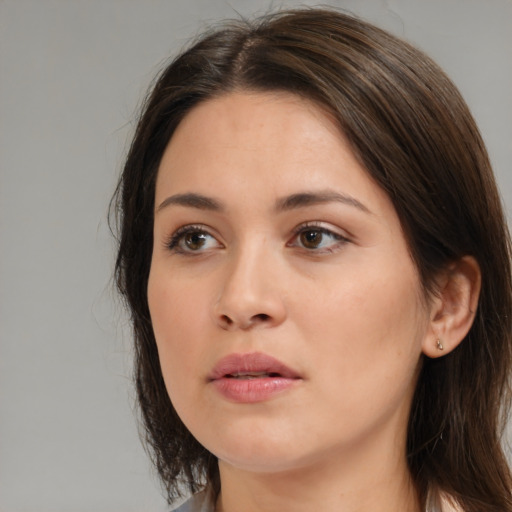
(346, 311)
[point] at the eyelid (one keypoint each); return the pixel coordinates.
(342, 238)
(171, 242)
(322, 226)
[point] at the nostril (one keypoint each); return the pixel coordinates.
(262, 317)
(226, 320)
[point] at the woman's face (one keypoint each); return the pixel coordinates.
(287, 311)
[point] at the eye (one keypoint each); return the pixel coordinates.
(317, 238)
(192, 239)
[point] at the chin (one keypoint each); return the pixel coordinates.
(264, 464)
(259, 453)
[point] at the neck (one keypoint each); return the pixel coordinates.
(370, 483)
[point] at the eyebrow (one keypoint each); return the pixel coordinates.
(304, 199)
(291, 202)
(192, 201)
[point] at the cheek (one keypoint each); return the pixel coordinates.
(365, 326)
(366, 341)
(177, 314)
(370, 302)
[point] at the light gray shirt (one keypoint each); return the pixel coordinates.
(200, 502)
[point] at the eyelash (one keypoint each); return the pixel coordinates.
(340, 240)
(173, 243)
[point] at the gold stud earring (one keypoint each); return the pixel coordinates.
(439, 344)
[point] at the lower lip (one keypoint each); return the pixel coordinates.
(252, 390)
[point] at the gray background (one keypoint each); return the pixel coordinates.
(71, 76)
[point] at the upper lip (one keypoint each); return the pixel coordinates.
(255, 362)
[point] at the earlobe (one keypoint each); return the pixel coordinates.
(454, 307)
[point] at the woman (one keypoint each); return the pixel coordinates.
(318, 269)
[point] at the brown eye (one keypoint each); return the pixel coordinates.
(317, 239)
(311, 239)
(195, 241)
(192, 239)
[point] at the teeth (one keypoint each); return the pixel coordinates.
(249, 375)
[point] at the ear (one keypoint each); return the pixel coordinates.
(453, 308)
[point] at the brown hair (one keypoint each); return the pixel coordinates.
(413, 133)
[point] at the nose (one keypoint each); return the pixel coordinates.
(250, 292)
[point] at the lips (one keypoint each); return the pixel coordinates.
(249, 378)
(253, 364)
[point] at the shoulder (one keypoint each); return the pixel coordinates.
(200, 502)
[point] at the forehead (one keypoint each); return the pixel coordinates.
(262, 121)
(261, 145)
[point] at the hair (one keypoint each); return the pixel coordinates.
(413, 133)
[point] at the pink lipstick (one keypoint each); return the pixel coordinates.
(250, 378)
